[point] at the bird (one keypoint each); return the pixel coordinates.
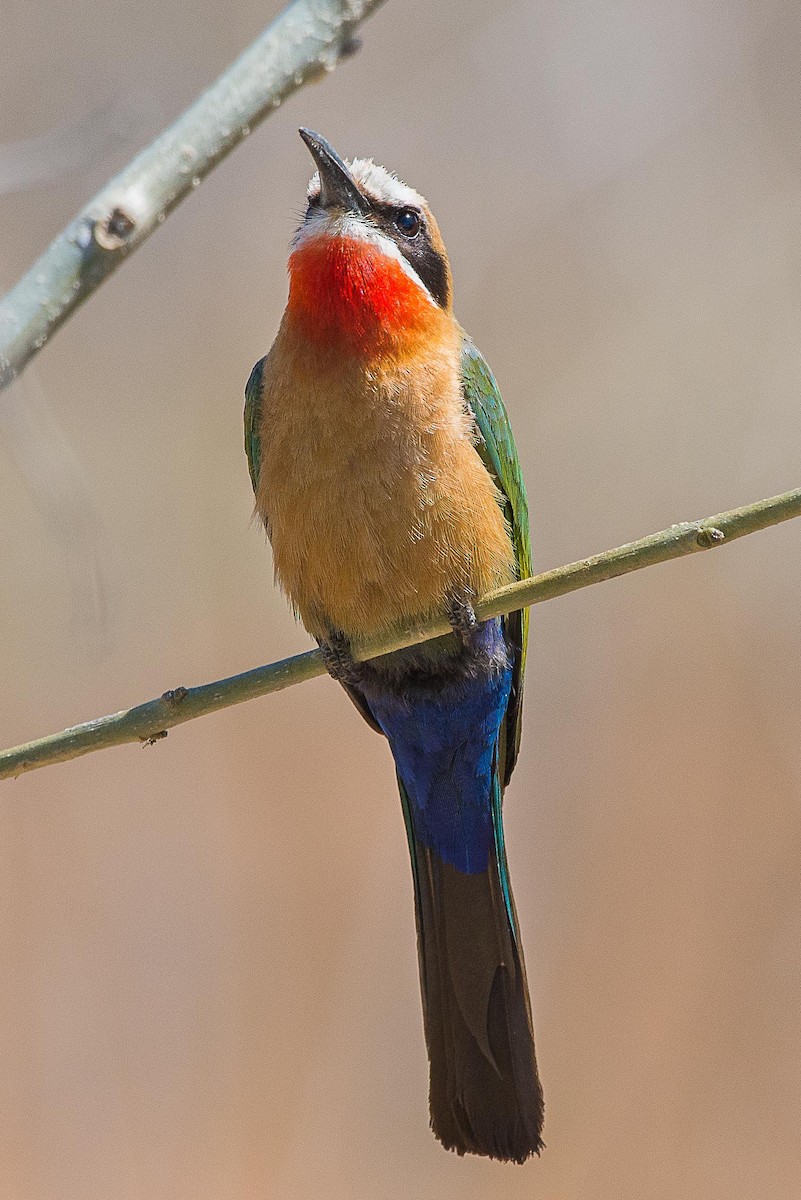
(386, 476)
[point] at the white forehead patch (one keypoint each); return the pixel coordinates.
(379, 183)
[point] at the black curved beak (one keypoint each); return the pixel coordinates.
(338, 188)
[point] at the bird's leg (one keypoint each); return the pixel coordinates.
(462, 617)
(338, 658)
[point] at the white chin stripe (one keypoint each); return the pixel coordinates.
(322, 224)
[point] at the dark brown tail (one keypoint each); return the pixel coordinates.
(485, 1094)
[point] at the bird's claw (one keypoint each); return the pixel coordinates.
(463, 619)
(338, 658)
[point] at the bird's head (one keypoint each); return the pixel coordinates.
(368, 266)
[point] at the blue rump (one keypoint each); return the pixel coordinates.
(443, 740)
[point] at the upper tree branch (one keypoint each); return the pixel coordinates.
(152, 720)
(306, 39)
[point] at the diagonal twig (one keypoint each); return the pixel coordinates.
(307, 39)
(150, 722)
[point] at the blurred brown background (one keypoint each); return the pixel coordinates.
(209, 983)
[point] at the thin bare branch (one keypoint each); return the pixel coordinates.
(149, 722)
(307, 39)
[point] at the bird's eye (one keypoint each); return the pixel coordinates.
(407, 220)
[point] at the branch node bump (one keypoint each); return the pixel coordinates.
(174, 695)
(154, 737)
(349, 47)
(709, 537)
(113, 231)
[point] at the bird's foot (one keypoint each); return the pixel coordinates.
(338, 658)
(463, 619)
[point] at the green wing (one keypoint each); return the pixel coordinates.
(252, 421)
(499, 454)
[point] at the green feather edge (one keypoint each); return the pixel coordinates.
(498, 452)
(252, 421)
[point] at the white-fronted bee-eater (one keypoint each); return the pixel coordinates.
(387, 478)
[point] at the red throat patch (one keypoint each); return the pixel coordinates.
(345, 290)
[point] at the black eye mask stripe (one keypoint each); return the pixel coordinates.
(418, 252)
